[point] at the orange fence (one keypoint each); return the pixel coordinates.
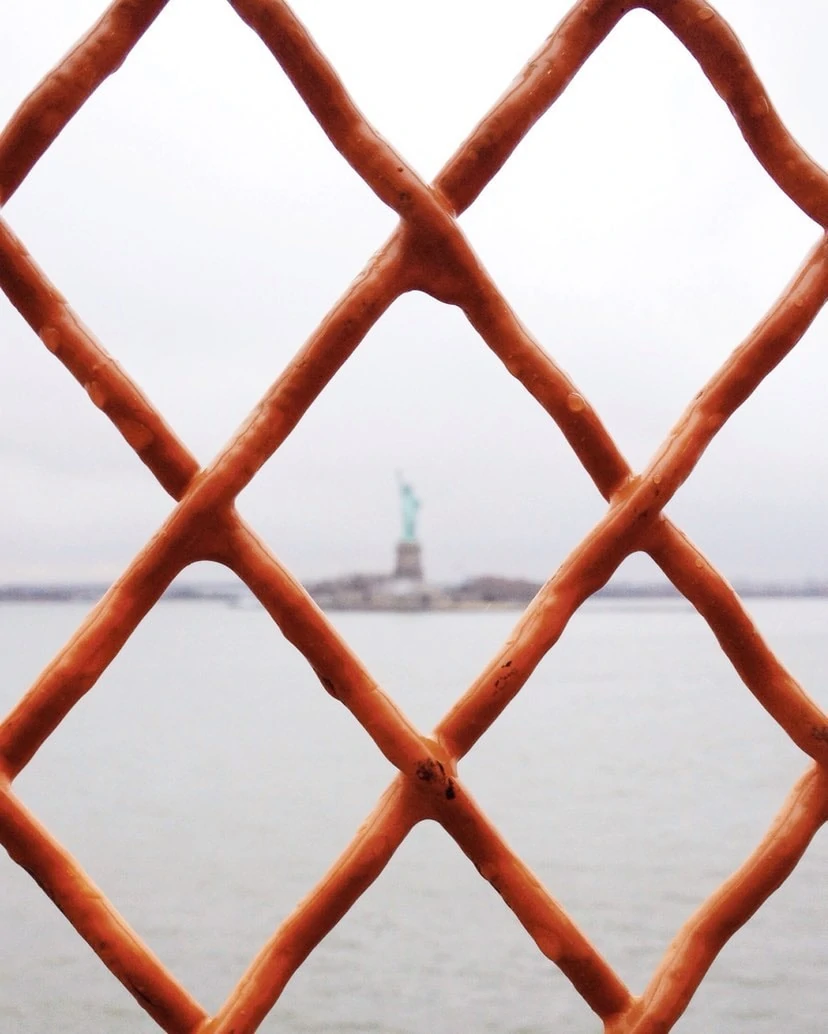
(427, 252)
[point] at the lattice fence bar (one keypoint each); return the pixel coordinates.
(427, 252)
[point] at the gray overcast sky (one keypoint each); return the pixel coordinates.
(201, 225)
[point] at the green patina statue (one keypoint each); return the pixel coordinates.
(410, 505)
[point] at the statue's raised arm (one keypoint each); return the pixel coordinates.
(409, 504)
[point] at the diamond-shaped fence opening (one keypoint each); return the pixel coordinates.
(427, 252)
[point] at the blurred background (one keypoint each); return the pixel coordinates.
(201, 224)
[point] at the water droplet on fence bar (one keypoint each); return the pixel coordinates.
(50, 336)
(137, 434)
(657, 479)
(575, 402)
(705, 14)
(549, 941)
(97, 393)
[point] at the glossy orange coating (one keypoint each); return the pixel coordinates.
(427, 252)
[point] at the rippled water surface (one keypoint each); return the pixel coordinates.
(208, 781)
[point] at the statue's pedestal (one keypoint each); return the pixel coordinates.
(409, 561)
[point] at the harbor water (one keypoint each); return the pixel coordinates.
(208, 781)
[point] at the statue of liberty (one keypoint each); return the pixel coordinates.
(409, 504)
(409, 562)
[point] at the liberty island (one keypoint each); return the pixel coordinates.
(406, 587)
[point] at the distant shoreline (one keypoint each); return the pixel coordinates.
(461, 599)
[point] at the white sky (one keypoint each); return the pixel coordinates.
(200, 223)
